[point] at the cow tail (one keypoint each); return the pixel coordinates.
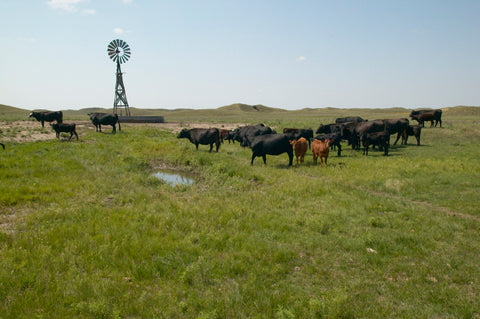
(118, 121)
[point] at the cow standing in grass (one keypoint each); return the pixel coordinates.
(382, 139)
(99, 119)
(272, 144)
(320, 149)
(412, 130)
(202, 136)
(47, 117)
(300, 147)
(66, 128)
(421, 116)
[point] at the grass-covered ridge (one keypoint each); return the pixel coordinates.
(87, 232)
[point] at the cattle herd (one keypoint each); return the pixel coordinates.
(356, 131)
(263, 140)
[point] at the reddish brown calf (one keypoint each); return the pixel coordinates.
(320, 149)
(300, 147)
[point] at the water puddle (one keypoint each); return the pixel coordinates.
(174, 177)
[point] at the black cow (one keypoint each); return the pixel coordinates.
(204, 136)
(412, 130)
(396, 126)
(66, 128)
(349, 119)
(382, 139)
(99, 119)
(336, 139)
(361, 128)
(230, 136)
(272, 144)
(246, 134)
(328, 128)
(297, 133)
(47, 117)
(427, 115)
(2, 145)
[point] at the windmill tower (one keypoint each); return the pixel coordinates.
(119, 51)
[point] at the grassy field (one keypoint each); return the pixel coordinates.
(86, 231)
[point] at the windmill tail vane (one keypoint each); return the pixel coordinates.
(119, 51)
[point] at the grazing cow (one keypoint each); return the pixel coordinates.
(427, 115)
(300, 147)
(272, 144)
(335, 139)
(382, 139)
(47, 117)
(320, 149)
(246, 134)
(204, 136)
(412, 130)
(99, 119)
(2, 145)
(66, 128)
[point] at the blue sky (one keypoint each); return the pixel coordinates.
(211, 53)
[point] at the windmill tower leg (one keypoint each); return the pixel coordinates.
(120, 102)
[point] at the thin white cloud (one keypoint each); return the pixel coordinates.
(64, 5)
(301, 58)
(127, 1)
(89, 11)
(118, 31)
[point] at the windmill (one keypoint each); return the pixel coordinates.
(119, 51)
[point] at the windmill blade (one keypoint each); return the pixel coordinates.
(121, 43)
(127, 50)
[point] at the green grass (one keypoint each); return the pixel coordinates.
(86, 232)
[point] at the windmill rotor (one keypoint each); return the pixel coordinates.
(118, 50)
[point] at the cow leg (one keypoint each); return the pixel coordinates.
(211, 147)
(253, 157)
(114, 130)
(398, 137)
(71, 134)
(76, 134)
(339, 153)
(264, 157)
(43, 124)
(196, 146)
(100, 128)
(218, 145)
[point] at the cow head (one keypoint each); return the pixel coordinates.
(183, 133)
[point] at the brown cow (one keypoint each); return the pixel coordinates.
(300, 147)
(320, 149)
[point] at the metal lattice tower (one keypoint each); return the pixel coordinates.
(119, 51)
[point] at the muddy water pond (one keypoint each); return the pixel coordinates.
(174, 177)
